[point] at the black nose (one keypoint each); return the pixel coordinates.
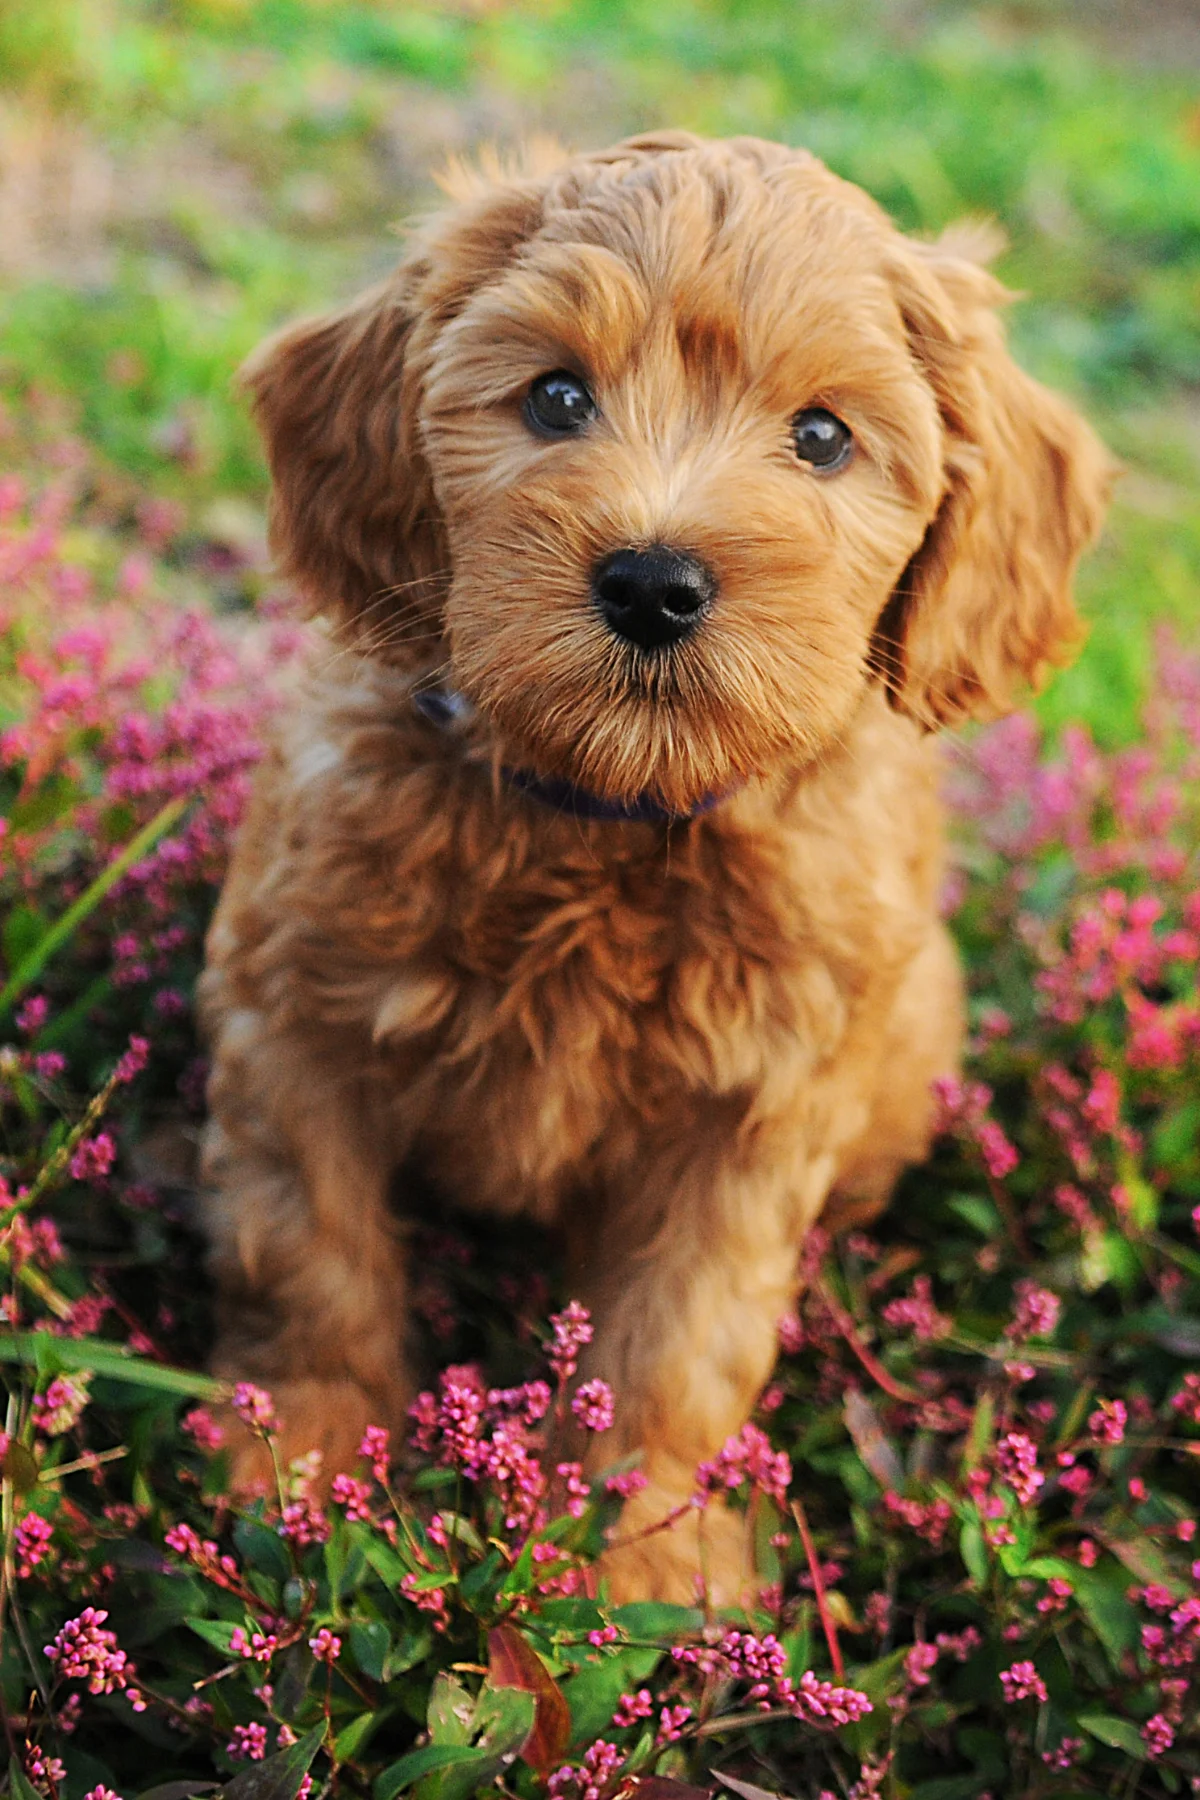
(653, 597)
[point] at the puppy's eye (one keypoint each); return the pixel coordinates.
(822, 440)
(558, 405)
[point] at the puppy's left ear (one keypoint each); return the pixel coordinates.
(985, 604)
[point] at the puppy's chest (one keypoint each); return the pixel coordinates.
(556, 1017)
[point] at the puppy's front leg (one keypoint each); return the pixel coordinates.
(687, 1282)
(311, 1290)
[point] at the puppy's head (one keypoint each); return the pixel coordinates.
(671, 451)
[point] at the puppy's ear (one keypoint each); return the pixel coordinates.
(353, 521)
(985, 605)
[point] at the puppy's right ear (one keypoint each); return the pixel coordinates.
(353, 518)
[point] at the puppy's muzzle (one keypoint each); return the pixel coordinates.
(653, 598)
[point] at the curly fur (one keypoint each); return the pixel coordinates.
(681, 1043)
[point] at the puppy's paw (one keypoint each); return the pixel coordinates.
(326, 1416)
(699, 1556)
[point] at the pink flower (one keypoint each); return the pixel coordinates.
(1064, 1756)
(376, 1449)
(1107, 1423)
(133, 1061)
(823, 1704)
(254, 1407)
(1016, 1460)
(202, 1428)
(248, 1743)
(747, 1456)
(578, 1492)
(917, 1311)
(31, 1540)
(633, 1707)
(929, 1520)
(919, 1663)
(1158, 1734)
(325, 1646)
(671, 1721)
(353, 1494)
(572, 1329)
(302, 1522)
(256, 1648)
(1037, 1312)
(60, 1408)
(590, 1778)
(1022, 1682)
(43, 1769)
(83, 1650)
(93, 1157)
(593, 1405)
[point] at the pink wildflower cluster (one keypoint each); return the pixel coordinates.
(1036, 1314)
(748, 1456)
(930, 1519)
(1022, 1682)
(83, 1650)
(61, 1407)
(89, 672)
(487, 1438)
(206, 1556)
(489, 1435)
(590, 1779)
(571, 1329)
(761, 1663)
(964, 1113)
(916, 1312)
(1017, 1466)
(254, 1407)
(31, 1542)
(1107, 1423)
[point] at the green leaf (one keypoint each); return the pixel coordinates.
(451, 1710)
(48, 1354)
(370, 1641)
(18, 1786)
(178, 1790)
(217, 1632)
(23, 928)
(1044, 1567)
(658, 1619)
(1101, 1594)
(352, 1737)
(279, 1778)
(973, 1551)
(387, 1564)
(262, 1549)
(503, 1719)
(592, 1694)
(410, 1768)
(478, 1582)
(1118, 1734)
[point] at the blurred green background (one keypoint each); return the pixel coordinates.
(177, 176)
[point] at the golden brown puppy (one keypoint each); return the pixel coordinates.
(666, 498)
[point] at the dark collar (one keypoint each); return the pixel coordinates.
(445, 708)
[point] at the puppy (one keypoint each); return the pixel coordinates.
(663, 501)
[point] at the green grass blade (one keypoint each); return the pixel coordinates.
(42, 1349)
(31, 966)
